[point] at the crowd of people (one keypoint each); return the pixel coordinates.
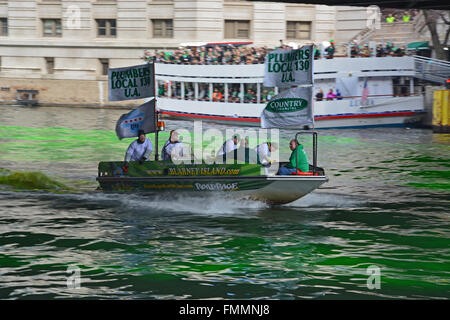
(211, 55)
(217, 94)
(320, 96)
(230, 55)
(395, 15)
(388, 49)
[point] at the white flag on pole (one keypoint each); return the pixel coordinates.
(141, 118)
(290, 108)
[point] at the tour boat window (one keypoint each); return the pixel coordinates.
(189, 91)
(233, 92)
(267, 94)
(176, 89)
(250, 93)
(218, 93)
(203, 91)
(162, 88)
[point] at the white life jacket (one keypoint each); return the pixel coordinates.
(263, 152)
(227, 146)
(172, 149)
(137, 150)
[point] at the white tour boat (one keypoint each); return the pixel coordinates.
(374, 92)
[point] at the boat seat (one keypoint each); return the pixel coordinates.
(301, 173)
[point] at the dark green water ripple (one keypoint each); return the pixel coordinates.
(387, 205)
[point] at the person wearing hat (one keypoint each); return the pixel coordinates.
(139, 150)
(330, 50)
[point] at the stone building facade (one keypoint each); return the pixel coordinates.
(45, 41)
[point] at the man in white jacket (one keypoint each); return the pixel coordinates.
(264, 151)
(228, 146)
(139, 150)
(173, 149)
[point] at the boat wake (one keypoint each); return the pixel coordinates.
(207, 204)
(328, 200)
(213, 204)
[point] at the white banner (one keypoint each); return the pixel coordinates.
(290, 108)
(130, 83)
(283, 68)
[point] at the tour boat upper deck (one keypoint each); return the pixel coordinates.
(374, 91)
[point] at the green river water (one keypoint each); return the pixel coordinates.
(387, 205)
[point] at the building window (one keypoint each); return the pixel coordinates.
(50, 64)
(3, 26)
(299, 30)
(162, 28)
(52, 27)
(106, 27)
(237, 29)
(105, 66)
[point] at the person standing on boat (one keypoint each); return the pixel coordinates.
(264, 150)
(297, 160)
(167, 142)
(330, 50)
(139, 150)
(330, 95)
(228, 146)
(319, 95)
(173, 149)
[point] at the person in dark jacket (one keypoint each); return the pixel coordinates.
(319, 95)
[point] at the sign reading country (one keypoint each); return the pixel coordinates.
(130, 83)
(284, 68)
(290, 108)
(141, 118)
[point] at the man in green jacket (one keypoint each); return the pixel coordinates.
(297, 160)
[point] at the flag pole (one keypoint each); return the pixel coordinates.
(156, 113)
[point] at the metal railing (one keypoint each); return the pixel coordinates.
(432, 69)
(314, 137)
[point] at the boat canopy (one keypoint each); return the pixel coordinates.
(418, 45)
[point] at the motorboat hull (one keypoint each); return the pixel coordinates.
(244, 181)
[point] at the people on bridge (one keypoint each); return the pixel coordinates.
(297, 160)
(139, 150)
(390, 18)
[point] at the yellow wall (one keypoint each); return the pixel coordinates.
(441, 112)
